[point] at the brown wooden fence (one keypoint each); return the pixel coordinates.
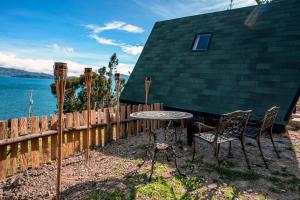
(30, 142)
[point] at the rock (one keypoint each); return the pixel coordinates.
(212, 186)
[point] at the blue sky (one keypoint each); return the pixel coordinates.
(35, 33)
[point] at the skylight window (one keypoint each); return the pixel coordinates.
(202, 41)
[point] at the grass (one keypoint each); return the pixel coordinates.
(230, 194)
(292, 183)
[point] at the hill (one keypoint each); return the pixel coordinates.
(22, 73)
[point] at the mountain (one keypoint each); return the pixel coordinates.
(22, 73)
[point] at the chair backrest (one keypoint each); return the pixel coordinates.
(233, 123)
(269, 117)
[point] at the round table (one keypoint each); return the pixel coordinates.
(161, 116)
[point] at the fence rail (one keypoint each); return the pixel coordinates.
(30, 142)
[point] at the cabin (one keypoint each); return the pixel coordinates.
(214, 63)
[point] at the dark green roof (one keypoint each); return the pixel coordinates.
(253, 61)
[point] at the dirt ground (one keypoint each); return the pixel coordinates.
(113, 173)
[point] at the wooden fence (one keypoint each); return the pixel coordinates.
(30, 142)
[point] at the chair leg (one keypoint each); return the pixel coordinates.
(244, 151)
(261, 153)
(219, 145)
(153, 162)
(175, 161)
(229, 151)
(194, 149)
(216, 153)
(271, 136)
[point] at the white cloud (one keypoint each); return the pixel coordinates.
(132, 49)
(106, 41)
(115, 25)
(124, 68)
(38, 65)
(65, 50)
(182, 8)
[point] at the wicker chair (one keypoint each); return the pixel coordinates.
(265, 125)
(231, 127)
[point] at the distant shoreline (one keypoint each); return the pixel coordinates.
(11, 72)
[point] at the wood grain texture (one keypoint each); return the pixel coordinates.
(107, 131)
(14, 147)
(45, 140)
(76, 119)
(23, 145)
(139, 122)
(99, 130)
(129, 124)
(35, 154)
(84, 123)
(134, 128)
(123, 125)
(70, 135)
(93, 130)
(53, 126)
(3, 149)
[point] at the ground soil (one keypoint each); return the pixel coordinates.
(109, 168)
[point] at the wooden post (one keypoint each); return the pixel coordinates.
(53, 126)
(123, 125)
(77, 134)
(107, 132)
(134, 124)
(14, 147)
(35, 152)
(118, 87)
(100, 135)
(24, 145)
(70, 135)
(45, 140)
(129, 124)
(3, 149)
(88, 83)
(60, 77)
(139, 122)
(93, 130)
(147, 88)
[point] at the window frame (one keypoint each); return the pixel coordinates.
(195, 38)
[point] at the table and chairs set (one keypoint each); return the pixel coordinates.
(232, 126)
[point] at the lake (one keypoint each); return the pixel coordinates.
(14, 101)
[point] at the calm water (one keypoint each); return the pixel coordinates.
(14, 97)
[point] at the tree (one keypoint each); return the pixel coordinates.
(102, 93)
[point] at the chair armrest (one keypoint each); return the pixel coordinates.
(204, 127)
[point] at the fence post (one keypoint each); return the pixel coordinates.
(85, 132)
(3, 149)
(139, 122)
(129, 124)
(99, 130)
(123, 133)
(35, 153)
(24, 145)
(45, 140)
(93, 130)
(70, 141)
(76, 118)
(14, 147)
(53, 126)
(107, 132)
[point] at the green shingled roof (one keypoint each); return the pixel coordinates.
(253, 61)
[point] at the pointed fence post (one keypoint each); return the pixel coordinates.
(88, 78)
(60, 77)
(118, 87)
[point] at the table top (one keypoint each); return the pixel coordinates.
(161, 115)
